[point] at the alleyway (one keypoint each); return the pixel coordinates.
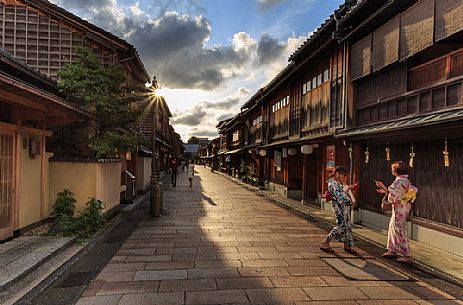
(220, 244)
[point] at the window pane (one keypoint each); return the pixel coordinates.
(326, 75)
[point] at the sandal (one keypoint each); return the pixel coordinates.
(350, 250)
(389, 255)
(327, 249)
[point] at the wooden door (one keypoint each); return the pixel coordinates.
(6, 184)
(312, 178)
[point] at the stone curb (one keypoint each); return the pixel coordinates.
(51, 278)
(417, 264)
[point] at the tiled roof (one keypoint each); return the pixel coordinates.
(344, 9)
(406, 123)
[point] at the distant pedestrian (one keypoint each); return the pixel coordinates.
(183, 165)
(341, 202)
(191, 172)
(399, 197)
(173, 171)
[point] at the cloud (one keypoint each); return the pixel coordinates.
(172, 38)
(194, 117)
(269, 49)
(135, 9)
(104, 13)
(229, 101)
(204, 133)
(225, 116)
(267, 4)
(205, 113)
(172, 44)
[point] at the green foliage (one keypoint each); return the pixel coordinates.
(103, 91)
(64, 204)
(193, 140)
(244, 170)
(91, 219)
(111, 143)
(68, 225)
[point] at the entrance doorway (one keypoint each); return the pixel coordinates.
(312, 175)
(6, 183)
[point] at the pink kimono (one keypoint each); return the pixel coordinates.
(398, 191)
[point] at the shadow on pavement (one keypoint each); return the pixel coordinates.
(221, 244)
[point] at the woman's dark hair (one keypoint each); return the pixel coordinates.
(400, 168)
(340, 170)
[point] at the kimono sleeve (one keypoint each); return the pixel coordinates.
(397, 190)
(337, 192)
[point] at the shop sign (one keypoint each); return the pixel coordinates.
(330, 157)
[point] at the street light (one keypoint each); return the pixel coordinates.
(155, 188)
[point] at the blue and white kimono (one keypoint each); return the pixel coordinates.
(341, 202)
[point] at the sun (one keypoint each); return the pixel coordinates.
(182, 99)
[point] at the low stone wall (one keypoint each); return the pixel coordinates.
(143, 174)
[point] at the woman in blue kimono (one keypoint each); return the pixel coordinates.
(341, 202)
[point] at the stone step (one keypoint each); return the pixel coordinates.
(24, 254)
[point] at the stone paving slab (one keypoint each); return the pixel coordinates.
(242, 250)
(365, 269)
(25, 253)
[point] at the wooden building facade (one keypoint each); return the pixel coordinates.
(43, 37)
(302, 106)
(29, 106)
(406, 73)
(378, 81)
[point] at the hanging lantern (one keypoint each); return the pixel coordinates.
(388, 154)
(412, 157)
(367, 155)
(306, 149)
(351, 150)
(262, 152)
(128, 155)
(446, 155)
(292, 151)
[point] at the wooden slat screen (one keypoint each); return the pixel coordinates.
(6, 183)
(386, 44)
(439, 198)
(457, 65)
(361, 58)
(417, 28)
(427, 74)
(449, 18)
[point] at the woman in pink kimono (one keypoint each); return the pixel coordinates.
(400, 194)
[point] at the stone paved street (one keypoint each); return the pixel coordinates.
(220, 244)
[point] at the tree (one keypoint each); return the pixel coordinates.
(193, 140)
(103, 91)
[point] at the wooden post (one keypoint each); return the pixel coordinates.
(42, 173)
(304, 177)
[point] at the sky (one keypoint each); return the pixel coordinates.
(209, 56)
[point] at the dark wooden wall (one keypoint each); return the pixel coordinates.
(440, 197)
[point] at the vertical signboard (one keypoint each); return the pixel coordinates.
(330, 157)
